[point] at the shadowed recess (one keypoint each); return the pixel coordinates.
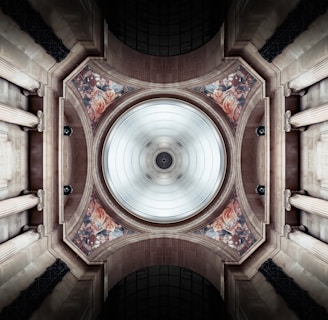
(296, 297)
(164, 292)
(31, 22)
(164, 28)
(32, 297)
(297, 22)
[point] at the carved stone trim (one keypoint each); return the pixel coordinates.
(40, 125)
(287, 195)
(287, 230)
(40, 194)
(288, 126)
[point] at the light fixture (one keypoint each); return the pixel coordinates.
(164, 160)
(260, 190)
(68, 190)
(68, 131)
(260, 131)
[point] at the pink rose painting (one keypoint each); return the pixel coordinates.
(97, 228)
(230, 92)
(97, 92)
(231, 228)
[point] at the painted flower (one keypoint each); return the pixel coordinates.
(110, 95)
(236, 206)
(229, 105)
(218, 96)
(99, 105)
(91, 113)
(110, 224)
(98, 218)
(229, 213)
(230, 218)
(218, 224)
(91, 206)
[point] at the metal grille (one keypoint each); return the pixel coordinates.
(164, 292)
(31, 22)
(31, 298)
(164, 28)
(296, 298)
(296, 22)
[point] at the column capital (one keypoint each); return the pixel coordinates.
(40, 125)
(288, 125)
(37, 229)
(40, 230)
(40, 194)
(288, 91)
(290, 229)
(36, 92)
(287, 195)
(287, 230)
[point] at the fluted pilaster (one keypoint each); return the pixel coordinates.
(14, 75)
(20, 117)
(18, 204)
(313, 245)
(14, 245)
(309, 204)
(308, 78)
(309, 116)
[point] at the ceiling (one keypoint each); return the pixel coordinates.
(164, 28)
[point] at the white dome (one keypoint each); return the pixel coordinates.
(164, 160)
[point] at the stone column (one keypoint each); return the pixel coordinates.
(18, 204)
(313, 245)
(309, 204)
(14, 245)
(14, 75)
(306, 117)
(310, 77)
(21, 117)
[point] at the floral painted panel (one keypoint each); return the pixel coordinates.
(230, 92)
(231, 228)
(97, 92)
(97, 228)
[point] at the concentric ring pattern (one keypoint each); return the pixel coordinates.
(164, 160)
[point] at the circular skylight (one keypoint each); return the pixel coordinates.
(164, 160)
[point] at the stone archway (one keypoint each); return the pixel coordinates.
(163, 292)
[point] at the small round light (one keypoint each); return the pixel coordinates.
(260, 131)
(67, 190)
(260, 190)
(68, 131)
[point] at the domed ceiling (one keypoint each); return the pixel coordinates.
(164, 160)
